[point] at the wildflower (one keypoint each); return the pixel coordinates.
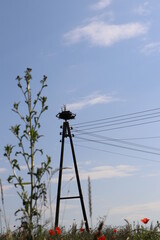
(81, 229)
(101, 238)
(145, 220)
(58, 230)
(51, 232)
(114, 230)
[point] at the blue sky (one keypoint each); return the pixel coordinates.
(102, 60)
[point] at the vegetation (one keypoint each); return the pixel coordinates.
(31, 187)
(128, 232)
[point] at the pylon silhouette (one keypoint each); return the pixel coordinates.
(67, 115)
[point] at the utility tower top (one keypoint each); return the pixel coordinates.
(65, 115)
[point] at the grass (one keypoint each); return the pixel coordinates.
(127, 232)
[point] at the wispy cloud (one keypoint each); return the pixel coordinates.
(99, 33)
(151, 48)
(108, 16)
(101, 4)
(2, 170)
(137, 208)
(91, 100)
(102, 172)
(105, 172)
(143, 9)
(7, 187)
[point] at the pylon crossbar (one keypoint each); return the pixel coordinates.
(62, 198)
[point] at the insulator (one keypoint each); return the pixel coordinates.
(72, 135)
(71, 128)
(60, 133)
(61, 126)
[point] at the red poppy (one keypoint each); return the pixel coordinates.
(51, 232)
(114, 230)
(58, 230)
(101, 238)
(81, 229)
(145, 220)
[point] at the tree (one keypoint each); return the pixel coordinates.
(31, 188)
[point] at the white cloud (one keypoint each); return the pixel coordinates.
(151, 48)
(143, 9)
(99, 33)
(101, 4)
(105, 172)
(137, 208)
(7, 187)
(2, 170)
(89, 162)
(90, 101)
(108, 16)
(102, 172)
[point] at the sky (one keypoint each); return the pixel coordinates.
(102, 61)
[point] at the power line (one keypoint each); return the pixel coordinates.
(114, 117)
(121, 120)
(115, 128)
(112, 123)
(119, 146)
(134, 138)
(120, 141)
(104, 139)
(140, 138)
(116, 153)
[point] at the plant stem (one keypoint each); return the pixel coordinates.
(32, 161)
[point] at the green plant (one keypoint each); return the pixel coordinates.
(31, 187)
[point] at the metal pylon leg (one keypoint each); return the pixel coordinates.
(60, 177)
(67, 133)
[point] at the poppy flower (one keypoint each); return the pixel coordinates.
(145, 220)
(58, 230)
(101, 238)
(114, 230)
(51, 232)
(81, 229)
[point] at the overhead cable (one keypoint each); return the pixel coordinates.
(119, 146)
(105, 139)
(115, 128)
(117, 153)
(118, 116)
